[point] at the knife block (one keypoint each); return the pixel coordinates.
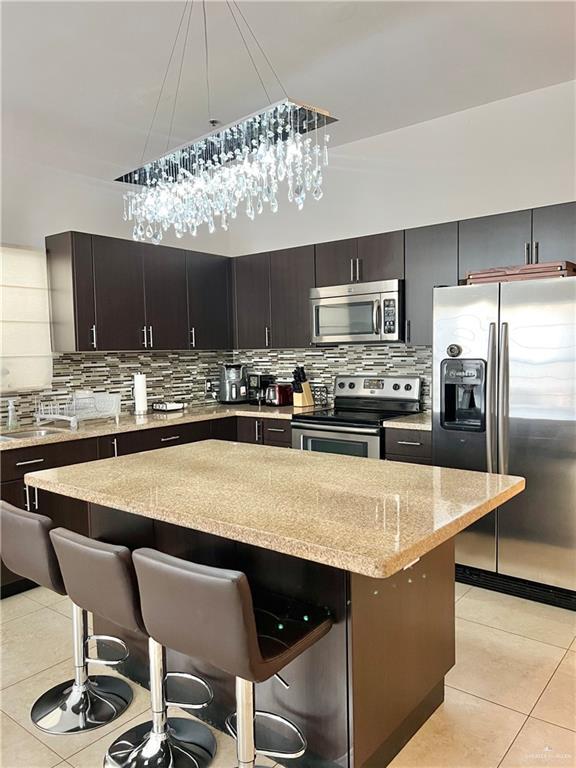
(304, 399)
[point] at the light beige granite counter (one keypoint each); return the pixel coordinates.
(362, 515)
(131, 423)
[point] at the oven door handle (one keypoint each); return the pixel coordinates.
(330, 428)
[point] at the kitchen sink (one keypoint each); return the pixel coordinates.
(19, 434)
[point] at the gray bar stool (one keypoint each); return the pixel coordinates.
(101, 578)
(86, 702)
(208, 613)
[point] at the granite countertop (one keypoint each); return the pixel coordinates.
(131, 423)
(362, 515)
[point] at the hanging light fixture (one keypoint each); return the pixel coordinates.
(243, 166)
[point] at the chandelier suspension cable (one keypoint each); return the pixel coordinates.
(206, 64)
(163, 83)
(262, 51)
(248, 51)
(184, 49)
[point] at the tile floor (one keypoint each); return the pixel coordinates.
(510, 699)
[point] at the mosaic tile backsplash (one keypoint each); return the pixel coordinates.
(181, 375)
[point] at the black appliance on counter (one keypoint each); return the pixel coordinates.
(354, 425)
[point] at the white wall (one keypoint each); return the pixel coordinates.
(507, 155)
(511, 154)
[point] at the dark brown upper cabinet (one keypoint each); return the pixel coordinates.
(554, 233)
(209, 301)
(252, 301)
(291, 278)
(336, 262)
(166, 297)
(431, 260)
(380, 257)
(119, 290)
(494, 241)
(71, 280)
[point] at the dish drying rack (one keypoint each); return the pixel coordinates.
(80, 406)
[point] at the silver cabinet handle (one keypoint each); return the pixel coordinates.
(36, 499)
(93, 335)
(351, 270)
(30, 461)
(145, 342)
(27, 499)
(527, 259)
(168, 439)
(193, 337)
(357, 270)
(376, 317)
(535, 252)
(151, 337)
(275, 429)
(325, 428)
(407, 330)
(267, 336)
(490, 397)
(258, 433)
(407, 442)
(115, 447)
(503, 396)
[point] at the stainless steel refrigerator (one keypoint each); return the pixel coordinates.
(504, 400)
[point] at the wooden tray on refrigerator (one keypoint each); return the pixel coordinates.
(523, 272)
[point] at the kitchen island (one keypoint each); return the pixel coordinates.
(370, 540)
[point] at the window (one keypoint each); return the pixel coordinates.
(26, 353)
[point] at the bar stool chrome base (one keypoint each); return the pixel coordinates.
(73, 708)
(185, 744)
(292, 741)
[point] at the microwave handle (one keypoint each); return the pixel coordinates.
(376, 317)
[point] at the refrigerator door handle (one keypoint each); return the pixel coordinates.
(503, 398)
(490, 398)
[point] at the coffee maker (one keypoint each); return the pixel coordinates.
(233, 383)
(258, 384)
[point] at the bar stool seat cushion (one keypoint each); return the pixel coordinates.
(208, 613)
(99, 577)
(27, 549)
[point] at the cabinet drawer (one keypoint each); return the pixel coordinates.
(152, 439)
(276, 431)
(16, 463)
(410, 459)
(412, 443)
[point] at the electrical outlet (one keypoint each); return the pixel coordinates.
(208, 387)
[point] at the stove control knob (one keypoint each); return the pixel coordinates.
(396, 387)
(341, 385)
(407, 387)
(352, 385)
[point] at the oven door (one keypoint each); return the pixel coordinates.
(347, 441)
(347, 318)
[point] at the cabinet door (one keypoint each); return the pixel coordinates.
(252, 294)
(494, 241)
(381, 257)
(166, 297)
(119, 291)
(291, 278)
(431, 260)
(62, 510)
(554, 233)
(249, 430)
(336, 262)
(224, 429)
(209, 295)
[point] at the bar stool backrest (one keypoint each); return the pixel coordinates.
(27, 549)
(99, 577)
(200, 611)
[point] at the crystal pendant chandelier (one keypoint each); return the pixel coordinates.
(245, 166)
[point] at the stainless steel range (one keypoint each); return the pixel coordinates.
(362, 404)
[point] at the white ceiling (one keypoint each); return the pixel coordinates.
(80, 79)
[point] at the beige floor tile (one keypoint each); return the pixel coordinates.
(16, 606)
(465, 732)
(573, 646)
(546, 623)
(65, 608)
(21, 750)
(460, 590)
(45, 596)
(92, 756)
(33, 643)
(558, 702)
(18, 700)
(541, 744)
(503, 668)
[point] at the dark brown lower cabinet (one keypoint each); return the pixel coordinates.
(224, 429)
(411, 445)
(249, 430)
(152, 439)
(276, 432)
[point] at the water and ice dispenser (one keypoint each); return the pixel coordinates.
(463, 395)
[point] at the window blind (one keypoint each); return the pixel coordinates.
(25, 348)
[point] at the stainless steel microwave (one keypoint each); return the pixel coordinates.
(362, 312)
